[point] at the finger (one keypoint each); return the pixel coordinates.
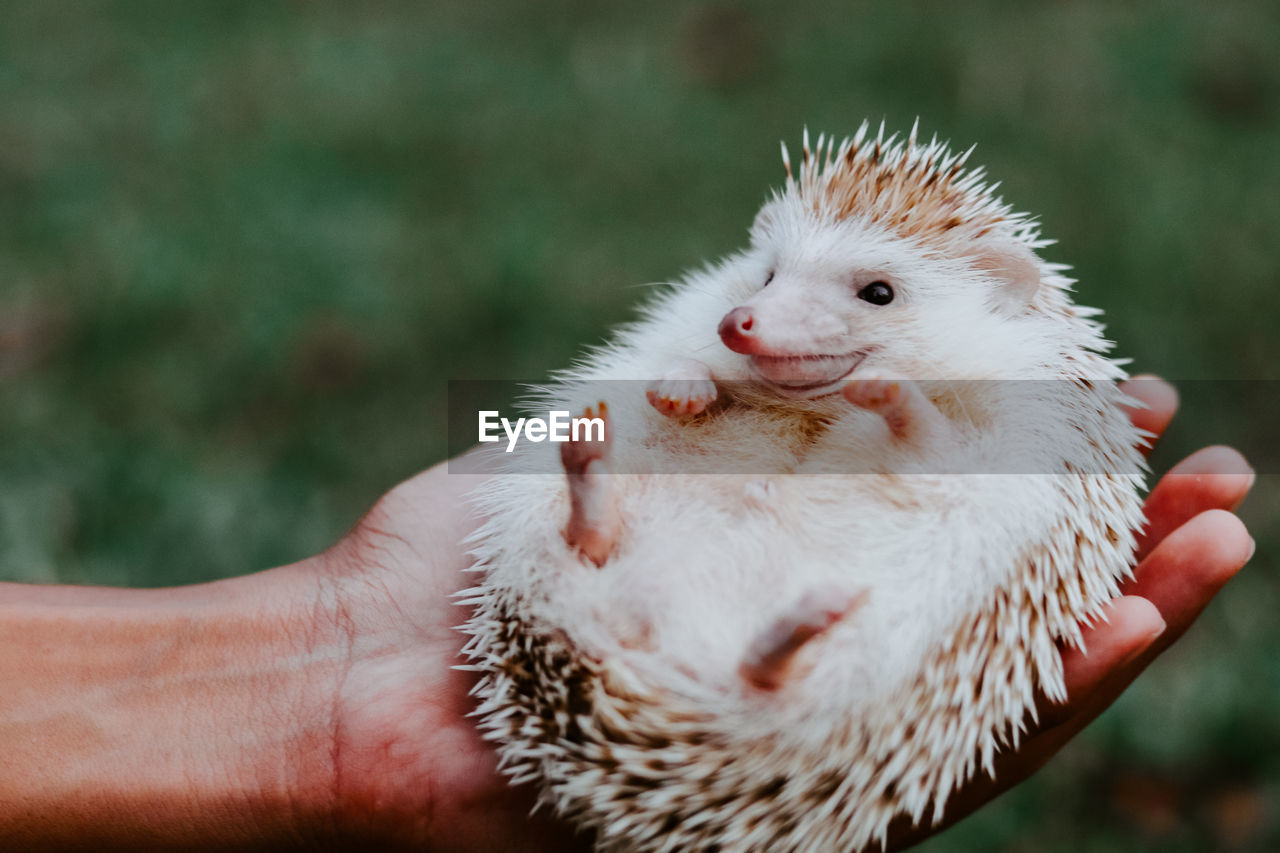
(1212, 478)
(1189, 566)
(1131, 625)
(1178, 580)
(1192, 564)
(1159, 399)
(1128, 627)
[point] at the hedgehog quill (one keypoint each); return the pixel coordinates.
(859, 481)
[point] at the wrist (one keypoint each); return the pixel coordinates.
(192, 718)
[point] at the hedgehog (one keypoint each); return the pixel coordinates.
(857, 484)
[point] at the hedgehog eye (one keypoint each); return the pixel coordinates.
(877, 293)
(767, 280)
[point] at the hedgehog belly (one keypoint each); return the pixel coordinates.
(656, 751)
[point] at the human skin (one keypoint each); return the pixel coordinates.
(314, 706)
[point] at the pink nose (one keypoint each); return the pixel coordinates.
(736, 330)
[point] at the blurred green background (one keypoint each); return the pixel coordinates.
(244, 245)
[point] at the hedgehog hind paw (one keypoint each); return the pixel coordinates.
(593, 523)
(768, 662)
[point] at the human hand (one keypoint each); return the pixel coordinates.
(1191, 546)
(412, 771)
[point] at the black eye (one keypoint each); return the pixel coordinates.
(877, 293)
(767, 280)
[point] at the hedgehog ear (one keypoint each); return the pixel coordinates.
(1015, 270)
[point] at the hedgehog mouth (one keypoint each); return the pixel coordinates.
(806, 376)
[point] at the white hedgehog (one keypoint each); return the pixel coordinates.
(817, 574)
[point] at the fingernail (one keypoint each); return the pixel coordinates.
(1253, 546)
(1145, 647)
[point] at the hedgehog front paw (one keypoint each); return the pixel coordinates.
(874, 393)
(909, 414)
(685, 390)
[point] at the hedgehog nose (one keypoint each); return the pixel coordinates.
(737, 330)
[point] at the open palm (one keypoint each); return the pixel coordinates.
(413, 773)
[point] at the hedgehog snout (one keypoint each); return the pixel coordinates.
(783, 333)
(737, 330)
